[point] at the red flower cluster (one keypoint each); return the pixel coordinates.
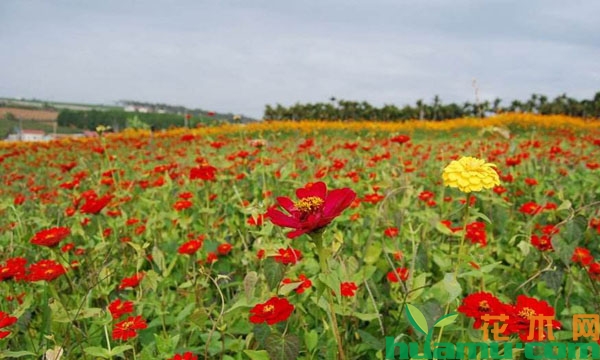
(50, 237)
(476, 233)
(203, 172)
(190, 247)
(273, 311)
(315, 209)
(518, 315)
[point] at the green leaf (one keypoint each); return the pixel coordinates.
(311, 339)
(118, 350)
(250, 281)
(417, 319)
(446, 320)
(282, 347)
(97, 351)
(373, 253)
(288, 288)
(273, 273)
(257, 354)
(261, 332)
(15, 354)
(159, 258)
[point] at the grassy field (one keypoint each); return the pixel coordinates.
(301, 240)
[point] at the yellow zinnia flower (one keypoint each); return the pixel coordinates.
(470, 174)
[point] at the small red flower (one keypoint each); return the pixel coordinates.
(399, 273)
(119, 308)
(476, 233)
(182, 205)
(543, 243)
(594, 271)
(582, 256)
(185, 356)
(400, 139)
(315, 209)
(47, 270)
(93, 204)
(288, 256)
(224, 249)
(50, 237)
(190, 247)
(5, 321)
(14, 269)
(348, 289)
(131, 281)
(303, 283)
(127, 329)
(273, 311)
(391, 232)
(531, 208)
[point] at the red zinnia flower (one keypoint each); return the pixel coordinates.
(224, 249)
(531, 208)
(51, 237)
(399, 273)
(93, 204)
(203, 172)
(182, 205)
(119, 308)
(400, 139)
(127, 329)
(315, 209)
(543, 243)
(14, 268)
(391, 232)
(476, 233)
(190, 247)
(348, 289)
(521, 313)
(47, 270)
(131, 281)
(594, 271)
(481, 303)
(582, 256)
(6, 320)
(273, 311)
(288, 256)
(185, 356)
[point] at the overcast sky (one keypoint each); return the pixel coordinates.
(237, 56)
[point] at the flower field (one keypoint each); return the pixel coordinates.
(297, 240)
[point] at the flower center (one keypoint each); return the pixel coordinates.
(127, 324)
(308, 205)
(484, 306)
(268, 308)
(526, 313)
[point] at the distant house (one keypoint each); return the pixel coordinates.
(28, 135)
(140, 109)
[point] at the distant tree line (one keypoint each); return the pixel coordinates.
(347, 110)
(118, 119)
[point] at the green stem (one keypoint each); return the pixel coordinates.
(323, 256)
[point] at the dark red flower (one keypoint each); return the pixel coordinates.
(203, 172)
(127, 329)
(543, 243)
(531, 208)
(476, 233)
(119, 308)
(50, 237)
(47, 270)
(5, 321)
(594, 271)
(315, 209)
(479, 304)
(348, 289)
(391, 232)
(273, 311)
